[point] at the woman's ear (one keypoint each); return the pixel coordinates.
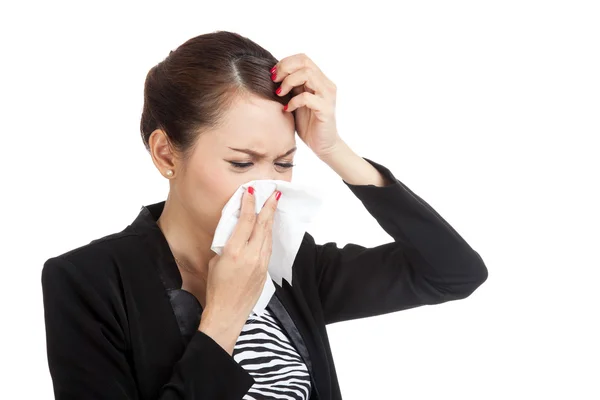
(162, 152)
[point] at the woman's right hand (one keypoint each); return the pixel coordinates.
(236, 278)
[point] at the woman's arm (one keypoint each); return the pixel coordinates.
(87, 350)
(428, 262)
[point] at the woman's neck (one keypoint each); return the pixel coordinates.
(189, 243)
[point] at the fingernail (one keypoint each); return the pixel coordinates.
(285, 107)
(273, 70)
(273, 77)
(250, 190)
(277, 195)
(278, 90)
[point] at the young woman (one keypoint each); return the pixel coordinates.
(151, 312)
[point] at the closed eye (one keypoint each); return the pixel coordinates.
(285, 165)
(243, 165)
(240, 165)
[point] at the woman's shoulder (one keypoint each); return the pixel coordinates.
(98, 259)
(103, 246)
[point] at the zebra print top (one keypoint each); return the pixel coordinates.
(264, 350)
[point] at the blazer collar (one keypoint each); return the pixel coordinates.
(186, 307)
(146, 225)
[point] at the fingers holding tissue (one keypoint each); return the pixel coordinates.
(295, 210)
(261, 238)
(241, 233)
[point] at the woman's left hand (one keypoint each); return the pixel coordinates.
(313, 102)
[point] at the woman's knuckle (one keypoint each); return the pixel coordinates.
(272, 206)
(260, 223)
(232, 252)
(249, 217)
(252, 260)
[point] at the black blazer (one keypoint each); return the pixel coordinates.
(118, 325)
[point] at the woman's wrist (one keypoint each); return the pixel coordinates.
(220, 329)
(351, 167)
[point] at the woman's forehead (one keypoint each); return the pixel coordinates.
(267, 140)
(259, 124)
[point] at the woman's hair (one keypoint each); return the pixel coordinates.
(190, 90)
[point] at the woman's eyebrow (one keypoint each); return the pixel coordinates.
(258, 155)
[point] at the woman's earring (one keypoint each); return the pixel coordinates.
(169, 173)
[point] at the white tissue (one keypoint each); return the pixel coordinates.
(296, 209)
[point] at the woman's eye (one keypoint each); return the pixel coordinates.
(243, 165)
(240, 165)
(285, 165)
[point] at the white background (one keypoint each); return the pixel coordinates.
(487, 110)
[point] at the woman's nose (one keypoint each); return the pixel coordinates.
(268, 173)
(268, 177)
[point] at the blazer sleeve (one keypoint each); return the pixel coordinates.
(427, 263)
(87, 350)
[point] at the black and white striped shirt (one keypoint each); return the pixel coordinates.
(264, 350)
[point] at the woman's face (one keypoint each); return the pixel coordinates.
(256, 141)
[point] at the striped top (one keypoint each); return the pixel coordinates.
(264, 350)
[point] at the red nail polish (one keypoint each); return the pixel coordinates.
(278, 90)
(278, 195)
(273, 77)
(273, 70)
(250, 190)
(285, 107)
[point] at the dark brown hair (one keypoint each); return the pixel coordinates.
(190, 90)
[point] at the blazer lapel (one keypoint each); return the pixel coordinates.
(294, 320)
(279, 311)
